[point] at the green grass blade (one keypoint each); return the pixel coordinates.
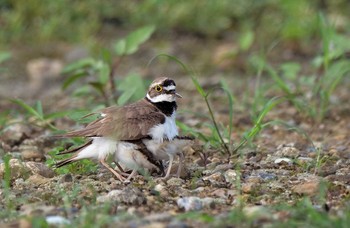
(336, 78)
(187, 69)
(280, 83)
(56, 115)
(28, 108)
(231, 100)
(184, 66)
(199, 87)
(249, 135)
(39, 109)
(78, 65)
(267, 108)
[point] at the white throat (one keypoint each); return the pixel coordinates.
(161, 98)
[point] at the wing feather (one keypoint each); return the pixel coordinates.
(130, 122)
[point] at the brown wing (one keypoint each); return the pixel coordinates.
(130, 122)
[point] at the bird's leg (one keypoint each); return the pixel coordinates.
(181, 160)
(130, 176)
(171, 159)
(122, 172)
(103, 162)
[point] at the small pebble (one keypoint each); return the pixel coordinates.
(159, 187)
(31, 153)
(282, 161)
(66, 178)
(309, 188)
(230, 176)
(216, 179)
(287, 151)
(304, 160)
(191, 203)
(37, 179)
(257, 212)
(126, 195)
(57, 220)
(174, 181)
(41, 169)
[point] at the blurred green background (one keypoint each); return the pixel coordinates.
(35, 21)
(229, 38)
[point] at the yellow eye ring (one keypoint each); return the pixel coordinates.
(159, 88)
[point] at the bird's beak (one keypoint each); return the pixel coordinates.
(178, 95)
(175, 94)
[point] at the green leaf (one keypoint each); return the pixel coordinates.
(126, 96)
(56, 115)
(132, 88)
(120, 47)
(131, 43)
(80, 116)
(83, 90)
(4, 56)
(72, 78)
(106, 56)
(77, 114)
(104, 72)
(80, 64)
(98, 86)
(246, 40)
(291, 70)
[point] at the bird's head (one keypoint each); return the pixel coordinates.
(162, 90)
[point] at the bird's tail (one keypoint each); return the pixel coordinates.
(65, 162)
(76, 148)
(74, 157)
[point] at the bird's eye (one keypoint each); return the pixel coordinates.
(159, 88)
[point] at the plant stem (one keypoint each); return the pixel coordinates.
(223, 144)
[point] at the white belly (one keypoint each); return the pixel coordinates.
(166, 130)
(99, 149)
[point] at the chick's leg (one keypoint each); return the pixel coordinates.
(171, 160)
(122, 172)
(181, 161)
(132, 174)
